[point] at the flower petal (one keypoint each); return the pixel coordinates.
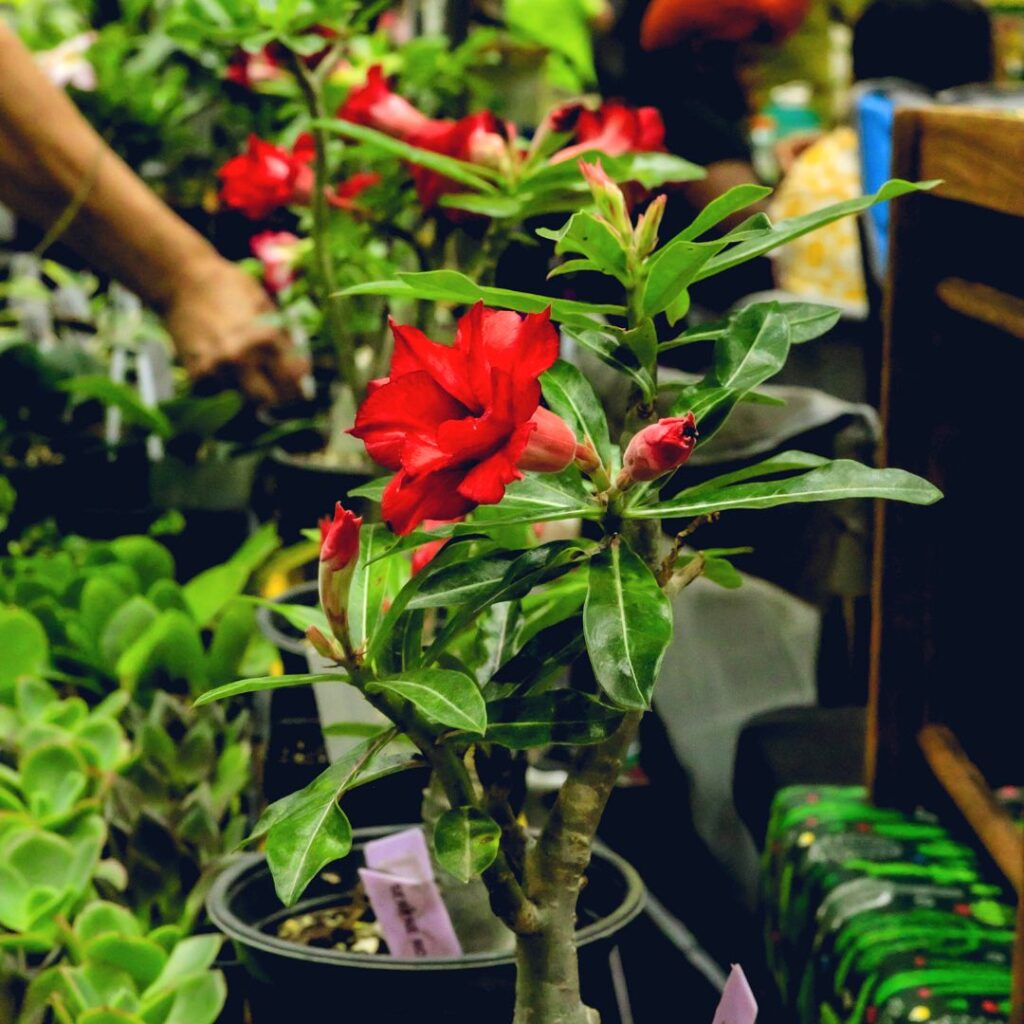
(407, 501)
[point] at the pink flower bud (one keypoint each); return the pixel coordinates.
(323, 645)
(339, 546)
(658, 449)
(608, 198)
(552, 444)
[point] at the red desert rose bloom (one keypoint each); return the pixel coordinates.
(658, 449)
(266, 176)
(453, 422)
(613, 129)
(475, 138)
(249, 69)
(345, 194)
(277, 251)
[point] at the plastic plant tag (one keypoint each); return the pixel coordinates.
(737, 1005)
(400, 886)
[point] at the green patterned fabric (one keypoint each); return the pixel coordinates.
(876, 917)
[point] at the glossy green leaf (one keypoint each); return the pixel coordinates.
(753, 349)
(565, 717)
(25, 648)
(267, 683)
(592, 237)
(445, 697)
(451, 286)
(466, 841)
(831, 482)
(735, 199)
(570, 395)
(465, 581)
(141, 959)
(537, 498)
(307, 830)
(375, 580)
(610, 346)
(543, 656)
(672, 269)
(786, 230)
(627, 621)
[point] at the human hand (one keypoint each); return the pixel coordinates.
(221, 323)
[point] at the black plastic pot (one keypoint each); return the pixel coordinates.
(298, 490)
(474, 989)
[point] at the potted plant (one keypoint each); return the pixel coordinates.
(466, 656)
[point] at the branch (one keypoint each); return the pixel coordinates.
(689, 572)
(669, 562)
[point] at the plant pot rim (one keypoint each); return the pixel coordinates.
(301, 460)
(219, 909)
(265, 618)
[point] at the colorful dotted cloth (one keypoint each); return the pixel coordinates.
(877, 917)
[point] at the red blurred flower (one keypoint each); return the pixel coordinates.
(266, 176)
(658, 448)
(667, 22)
(478, 138)
(277, 251)
(345, 194)
(249, 69)
(453, 422)
(613, 129)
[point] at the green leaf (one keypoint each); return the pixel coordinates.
(544, 655)
(150, 559)
(466, 842)
(126, 625)
(786, 230)
(298, 847)
(592, 237)
(266, 683)
(451, 286)
(627, 621)
(784, 462)
(609, 344)
(53, 777)
(26, 651)
(808, 320)
(307, 830)
(458, 170)
(169, 649)
(672, 269)
(363, 763)
(753, 349)
(446, 697)
(572, 267)
(464, 582)
(375, 580)
(564, 717)
(231, 637)
(652, 170)
(570, 395)
(198, 999)
(207, 593)
(558, 25)
(723, 206)
(490, 204)
(831, 482)
(110, 392)
(537, 498)
(141, 959)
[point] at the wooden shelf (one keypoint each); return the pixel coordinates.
(983, 303)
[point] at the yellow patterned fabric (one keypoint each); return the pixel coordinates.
(824, 266)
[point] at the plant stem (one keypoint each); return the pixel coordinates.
(334, 318)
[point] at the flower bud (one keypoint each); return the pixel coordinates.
(339, 546)
(658, 449)
(425, 553)
(324, 645)
(552, 444)
(608, 197)
(646, 232)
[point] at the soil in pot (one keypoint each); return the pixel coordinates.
(372, 986)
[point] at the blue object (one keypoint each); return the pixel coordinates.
(876, 110)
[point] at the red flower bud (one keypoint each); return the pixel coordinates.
(339, 539)
(425, 553)
(658, 449)
(551, 445)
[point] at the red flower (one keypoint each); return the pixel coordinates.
(345, 194)
(277, 251)
(339, 538)
(478, 138)
(658, 448)
(266, 176)
(613, 129)
(376, 106)
(667, 22)
(453, 422)
(249, 69)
